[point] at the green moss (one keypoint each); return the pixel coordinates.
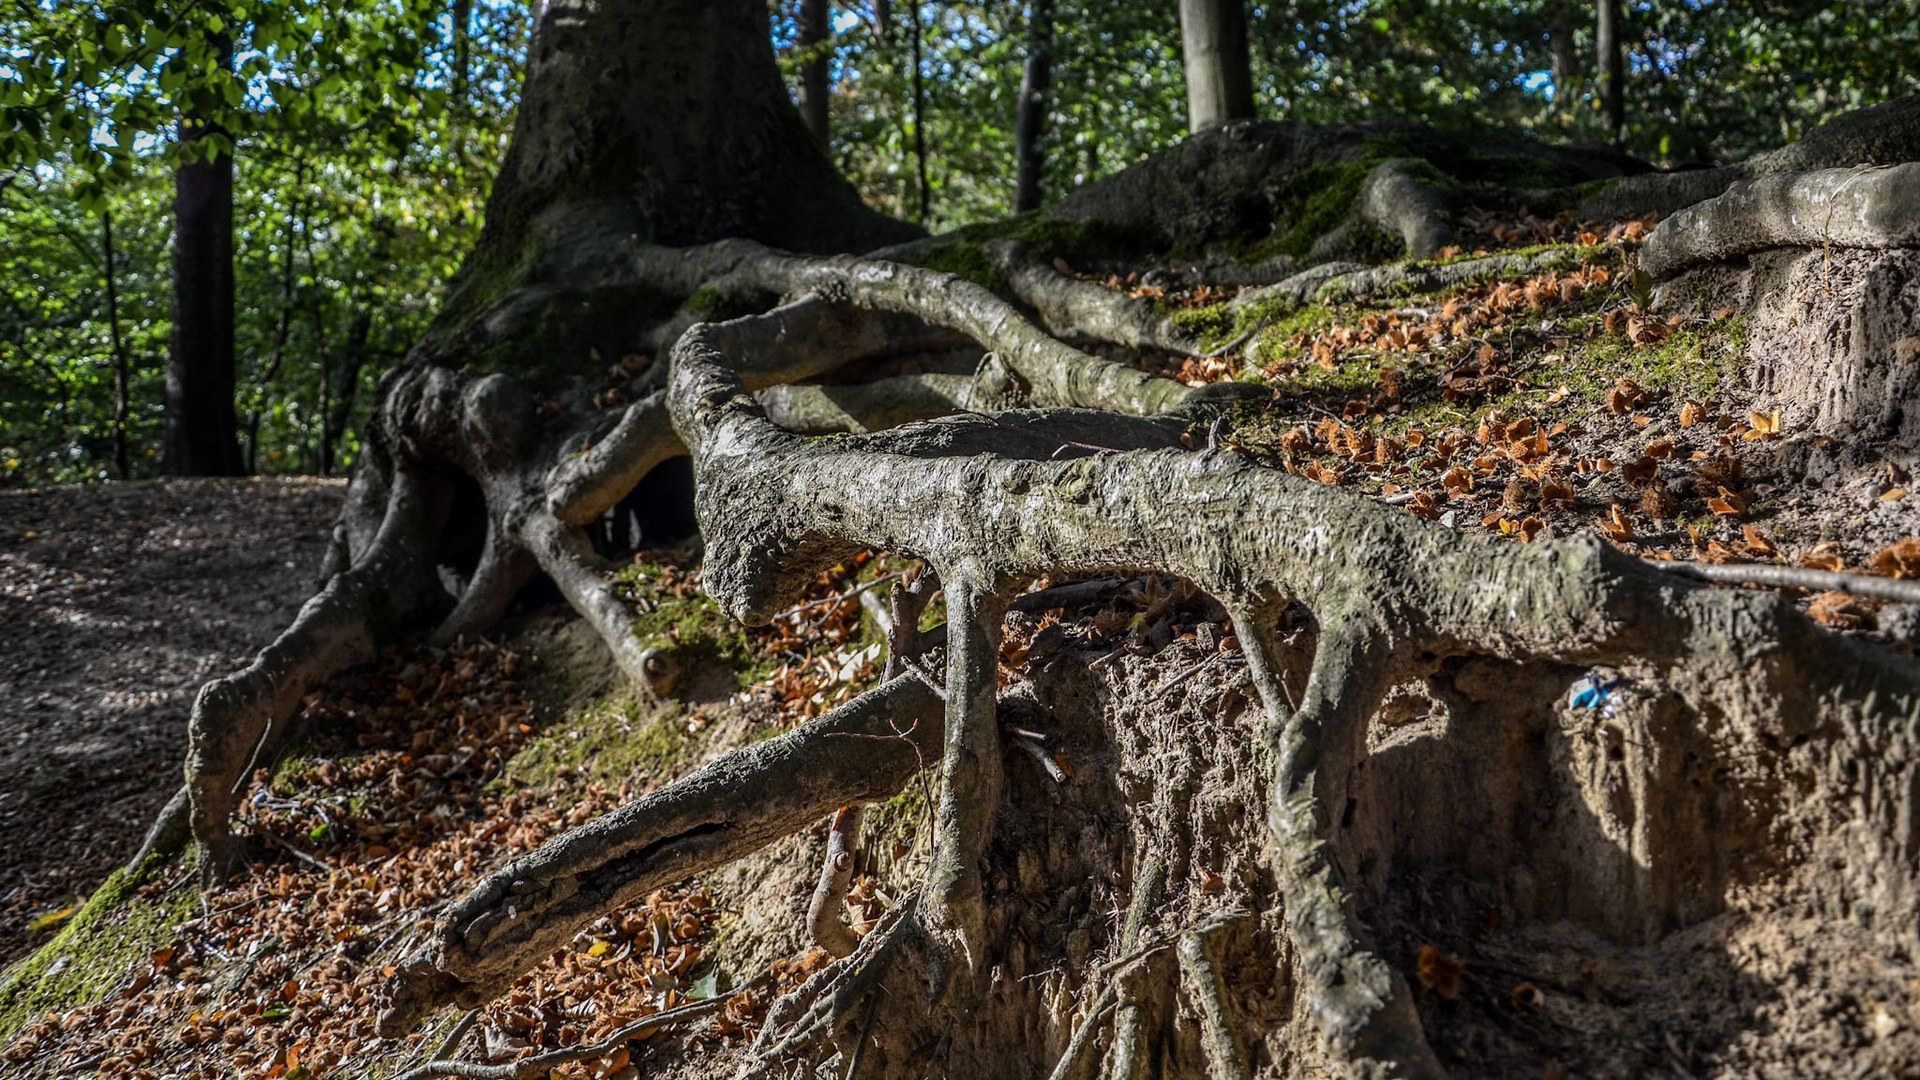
(610, 740)
(1215, 322)
(1694, 362)
(693, 626)
(965, 258)
(111, 933)
(1048, 237)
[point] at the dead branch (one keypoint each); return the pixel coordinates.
(539, 1065)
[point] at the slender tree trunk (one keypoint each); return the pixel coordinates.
(296, 220)
(1213, 43)
(1030, 122)
(919, 114)
(200, 439)
(816, 48)
(121, 464)
(344, 380)
(1612, 68)
(462, 18)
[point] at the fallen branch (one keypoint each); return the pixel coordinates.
(539, 1065)
(1794, 577)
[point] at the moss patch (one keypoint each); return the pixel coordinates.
(693, 626)
(112, 932)
(611, 740)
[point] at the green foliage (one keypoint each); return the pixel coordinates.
(363, 153)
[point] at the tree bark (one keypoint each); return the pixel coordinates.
(1030, 121)
(1213, 42)
(816, 49)
(657, 123)
(201, 439)
(1612, 68)
(343, 383)
(916, 35)
(120, 373)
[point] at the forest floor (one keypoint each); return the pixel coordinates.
(119, 601)
(1536, 405)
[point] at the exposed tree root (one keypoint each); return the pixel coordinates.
(1201, 983)
(1884, 134)
(243, 719)
(836, 873)
(864, 751)
(1067, 306)
(1088, 482)
(1863, 207)
(1396, 200)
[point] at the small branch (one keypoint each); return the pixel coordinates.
(540, 1064)
(1038, 752)
(1794, 577)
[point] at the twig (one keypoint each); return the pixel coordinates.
(296, 852)
(540, 1064)
(1186, 673)
(845, 596)
(1795, 577)
(1039, 754)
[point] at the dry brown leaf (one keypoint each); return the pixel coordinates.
(1897, 560)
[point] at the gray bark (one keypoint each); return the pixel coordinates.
(1611, 67)
(1030, 113)
(816, 69)
(1213, 43)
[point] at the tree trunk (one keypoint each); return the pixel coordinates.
(662, 124)
(343, 384)
(916, 34)
(121, 464)
(816, 66)
(200, 439)
(1030, 120)
(1611, 67)
(1213, 41)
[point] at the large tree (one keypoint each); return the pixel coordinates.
(659, 182)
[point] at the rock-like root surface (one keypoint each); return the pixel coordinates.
(1088, 482)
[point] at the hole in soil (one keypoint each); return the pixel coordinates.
(657, 513)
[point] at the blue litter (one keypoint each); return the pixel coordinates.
(1593, 692)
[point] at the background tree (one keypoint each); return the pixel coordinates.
(201, 439)
(1213, 38)
(1036, 79)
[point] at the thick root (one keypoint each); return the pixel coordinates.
(1865, 207)
(863, 751)
(243, 719)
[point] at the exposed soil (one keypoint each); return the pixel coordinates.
(119, 601)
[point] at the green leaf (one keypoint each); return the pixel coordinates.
(706, 986)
